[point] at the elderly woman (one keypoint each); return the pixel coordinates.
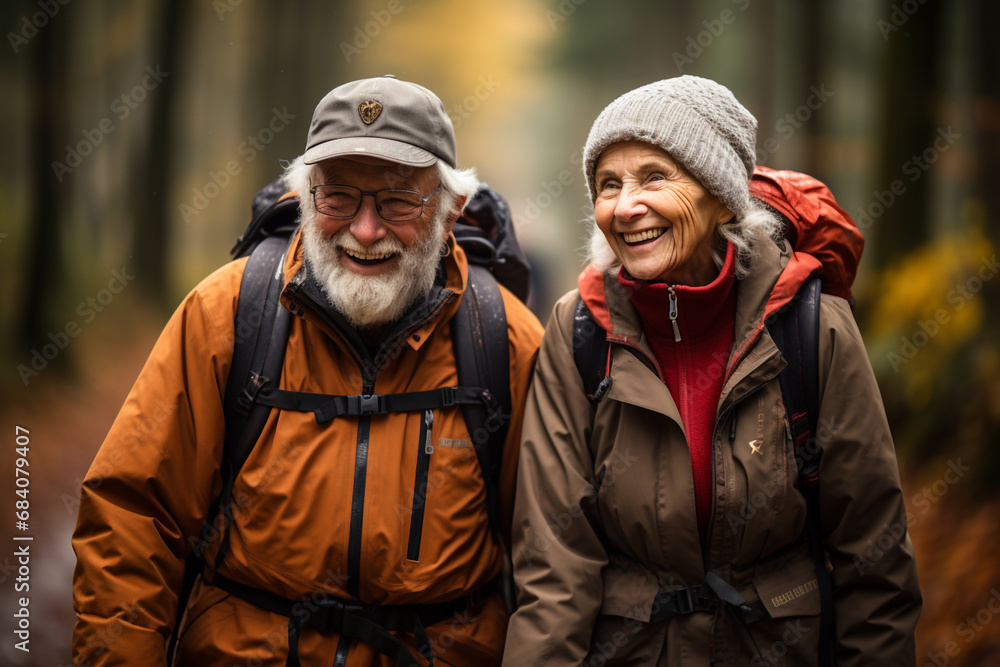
(662, 520)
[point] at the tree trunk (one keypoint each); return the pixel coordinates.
(899, 205)
(44, 253)
(151, 211)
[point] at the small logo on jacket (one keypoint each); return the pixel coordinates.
(755, 446)
(454, 444)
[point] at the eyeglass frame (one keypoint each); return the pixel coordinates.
(373, 193)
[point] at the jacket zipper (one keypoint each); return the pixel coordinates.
(420, 485)
(358, 496)
(368, 374)
(715, 434)
(672, 293)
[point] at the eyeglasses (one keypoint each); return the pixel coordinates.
(344, 201)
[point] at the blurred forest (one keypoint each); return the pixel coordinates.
(136, 133)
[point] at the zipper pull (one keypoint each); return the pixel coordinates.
(673, 313)
(428, 440)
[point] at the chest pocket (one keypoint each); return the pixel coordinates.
(766, 508)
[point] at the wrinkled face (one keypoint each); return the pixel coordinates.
(658, 219)
(372, 269)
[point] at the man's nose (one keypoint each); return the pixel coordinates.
(368, 226)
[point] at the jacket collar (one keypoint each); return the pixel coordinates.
(699, 309)
(303, 297)
(775, 275)
(608, 301)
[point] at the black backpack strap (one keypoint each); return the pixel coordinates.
(261, 333)
(479, 336)
(261, 337)
(376, 625)
(591, 352)
(328, 407)
(796, 333)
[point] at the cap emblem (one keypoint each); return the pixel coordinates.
(369, 111)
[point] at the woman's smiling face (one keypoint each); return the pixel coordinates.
(658, 219)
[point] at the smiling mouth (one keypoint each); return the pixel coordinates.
(369, 259)
(644, 236)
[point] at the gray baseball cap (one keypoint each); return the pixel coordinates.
(382, 117)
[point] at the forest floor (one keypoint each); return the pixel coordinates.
(956, 537)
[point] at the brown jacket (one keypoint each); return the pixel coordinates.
(149, 489)
(605, 513)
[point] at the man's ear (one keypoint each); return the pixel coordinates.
(455, 215)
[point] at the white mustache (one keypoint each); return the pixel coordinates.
(384, 246)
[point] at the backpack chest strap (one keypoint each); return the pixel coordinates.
(372, 624)
(328, 407)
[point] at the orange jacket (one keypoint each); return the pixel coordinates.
(148, 492)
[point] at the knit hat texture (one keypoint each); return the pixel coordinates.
(697, 121)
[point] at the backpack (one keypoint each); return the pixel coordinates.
(815, 224)
(486, 233)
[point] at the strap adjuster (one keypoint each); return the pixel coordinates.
(246, 399)
(685, 601)
(449, 395)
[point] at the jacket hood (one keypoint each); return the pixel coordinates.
(819, 227)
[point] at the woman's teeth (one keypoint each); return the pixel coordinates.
(643, 236)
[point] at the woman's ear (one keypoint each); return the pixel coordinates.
(723, 216)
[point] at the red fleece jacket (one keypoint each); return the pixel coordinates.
(694, 366)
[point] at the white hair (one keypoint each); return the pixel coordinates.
(758, 221)
(456, 184)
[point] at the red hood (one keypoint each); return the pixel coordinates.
(820, 228)
(823, 235)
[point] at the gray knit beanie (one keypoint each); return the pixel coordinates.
(697, 121)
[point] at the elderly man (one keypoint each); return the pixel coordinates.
(360, 536)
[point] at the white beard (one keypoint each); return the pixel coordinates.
(372, 300)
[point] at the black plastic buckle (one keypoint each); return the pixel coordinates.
(685, 601)
(246, 399)
(371, 405)
(705, 599)
(328, 615)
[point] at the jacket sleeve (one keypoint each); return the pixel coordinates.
(558, 556)
(876, 594)
(524, 334)
(148, 490)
